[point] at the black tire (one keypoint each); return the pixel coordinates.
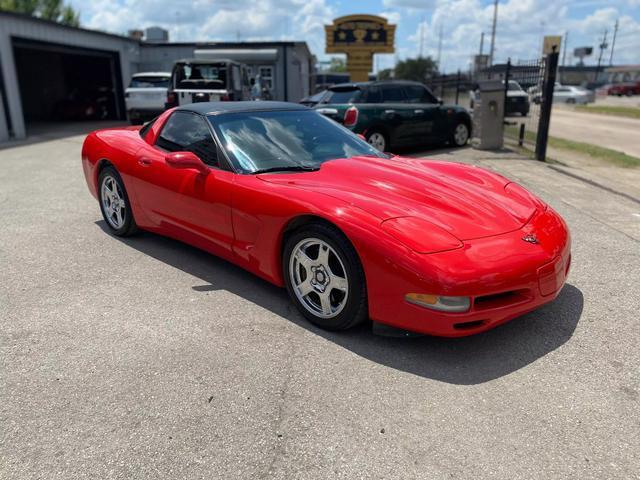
(355, 310)
(454, 138)
(375, 134)
(128, 226)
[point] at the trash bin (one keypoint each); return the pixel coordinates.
(488, 116)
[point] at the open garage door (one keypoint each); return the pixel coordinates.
(64, 83)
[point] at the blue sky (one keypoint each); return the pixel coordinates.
(521, 23)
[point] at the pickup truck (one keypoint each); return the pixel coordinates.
(391, 114)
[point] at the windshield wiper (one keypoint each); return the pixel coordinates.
(288, 168)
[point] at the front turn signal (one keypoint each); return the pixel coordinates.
(439, 302)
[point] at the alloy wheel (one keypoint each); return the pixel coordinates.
(377, 140)
(113, 202)
(318, 277)
(461, 134)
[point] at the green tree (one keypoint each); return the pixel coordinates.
(386, 74)
(54, 10)
(337, 65)
(417, 69)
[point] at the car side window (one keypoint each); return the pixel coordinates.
(374, 95)
(415, 93)
(188, 132)
(392, 94)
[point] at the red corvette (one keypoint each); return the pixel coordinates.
(352, 233)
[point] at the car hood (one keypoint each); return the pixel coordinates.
(466, 201)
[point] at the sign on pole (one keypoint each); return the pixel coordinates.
(360, 36)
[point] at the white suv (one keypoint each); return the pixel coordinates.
(146, 95)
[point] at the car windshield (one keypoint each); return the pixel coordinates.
(286, 140)
(201, 75)
(513, 86)
(149, 82)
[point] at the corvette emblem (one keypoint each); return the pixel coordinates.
(531, 238)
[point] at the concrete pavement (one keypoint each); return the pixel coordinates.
(144, 358)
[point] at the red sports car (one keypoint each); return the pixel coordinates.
(352, 233)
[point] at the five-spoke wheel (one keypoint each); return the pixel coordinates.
(114, 202)
(324, 277)
(318, 277)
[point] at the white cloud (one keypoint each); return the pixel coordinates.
(521, 23)
(520, 29)
(392, 17)
(209, 20)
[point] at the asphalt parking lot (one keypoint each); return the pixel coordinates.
(145, 358)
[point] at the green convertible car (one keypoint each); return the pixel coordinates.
(393, 114)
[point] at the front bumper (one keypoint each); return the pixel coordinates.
(505, 277)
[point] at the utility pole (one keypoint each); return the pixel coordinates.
(440, 48)
(493, 32)
(603, 47)
(564, 50)
(481, 42)
(613, 42)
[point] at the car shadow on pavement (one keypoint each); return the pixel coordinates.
(464, 361)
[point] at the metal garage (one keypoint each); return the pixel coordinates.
(65, 83)
(52, 72)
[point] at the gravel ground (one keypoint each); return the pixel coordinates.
(145, 358)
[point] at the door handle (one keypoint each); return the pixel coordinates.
(390, 111)
(418, 111)
(145, 162)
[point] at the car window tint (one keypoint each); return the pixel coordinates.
(417, 94)
(392, 93)
(188, 132)
(374, 95)
(342, 96)
(145, 129)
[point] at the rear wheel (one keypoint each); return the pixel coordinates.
(114, 203)
(324, 277)
(378, 140)
(460, 134)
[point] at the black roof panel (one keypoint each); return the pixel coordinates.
(204, 108)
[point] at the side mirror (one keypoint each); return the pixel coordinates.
(185, 160)
(440, 102)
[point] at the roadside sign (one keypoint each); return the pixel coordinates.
(551, 41)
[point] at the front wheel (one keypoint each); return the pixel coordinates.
(460, 134)
(114, 203)
(324, 277)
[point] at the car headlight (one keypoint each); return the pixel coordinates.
(420, 235)
(520, 193)
(439, 302)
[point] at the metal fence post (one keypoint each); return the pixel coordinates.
(507, 73)
(551, 65)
